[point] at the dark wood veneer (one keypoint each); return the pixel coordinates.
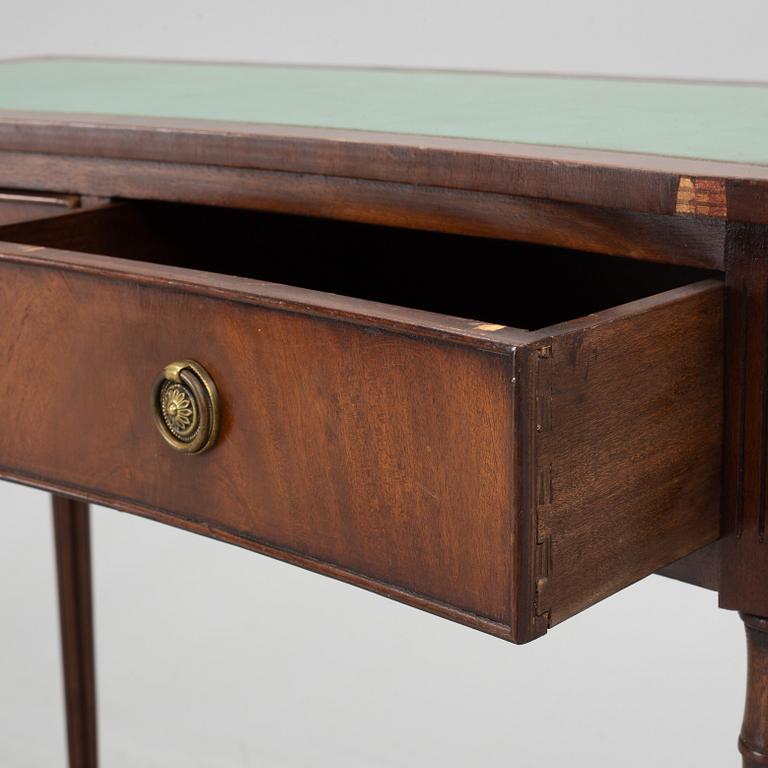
(744, 548)
(684, 239)
(632, 181)
(617, 401)
(449, 463)
(73, 563)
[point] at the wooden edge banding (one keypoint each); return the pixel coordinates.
(231, 536)
(701, 197)
(263, 145)
(691, 240)
(301, 301)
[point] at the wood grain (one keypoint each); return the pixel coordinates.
(701, 568)
(627, 444)
(744, 549)
(491, 473)
(385, 455)
(691, 240)
(396, 448)
(469, 165)
(702, 197)
(643, 183)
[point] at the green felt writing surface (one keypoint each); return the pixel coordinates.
(711, 121)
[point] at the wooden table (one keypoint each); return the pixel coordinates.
(235, 300)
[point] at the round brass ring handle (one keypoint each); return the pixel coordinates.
(185, 405)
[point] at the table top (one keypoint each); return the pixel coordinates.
(648, 146)
(694, 120)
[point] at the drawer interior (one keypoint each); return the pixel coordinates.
(498, 281)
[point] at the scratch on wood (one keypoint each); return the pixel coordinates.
(30, 248)
(701, 197)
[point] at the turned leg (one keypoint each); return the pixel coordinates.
(73, 561)
(753, 742)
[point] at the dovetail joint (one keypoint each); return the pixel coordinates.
(543, 569)
(543, 559)
(543, 484)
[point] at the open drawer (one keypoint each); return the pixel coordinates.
(504, 472)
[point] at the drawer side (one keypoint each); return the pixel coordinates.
(625, 445)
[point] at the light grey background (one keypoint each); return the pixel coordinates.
(213, 656)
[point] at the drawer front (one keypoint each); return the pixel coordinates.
(375, 455)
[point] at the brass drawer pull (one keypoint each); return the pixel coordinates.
(185, 405)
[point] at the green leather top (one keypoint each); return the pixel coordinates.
(694, 120)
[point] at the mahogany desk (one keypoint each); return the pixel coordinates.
(495, 346)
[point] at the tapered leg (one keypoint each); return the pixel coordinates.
(73, 561)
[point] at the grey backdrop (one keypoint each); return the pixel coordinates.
(213, 656)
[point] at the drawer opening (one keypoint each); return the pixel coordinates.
(515, 284)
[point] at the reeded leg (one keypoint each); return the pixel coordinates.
(744, 546)
(73, 561)
(753, 742)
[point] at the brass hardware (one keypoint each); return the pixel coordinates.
(185, 404)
